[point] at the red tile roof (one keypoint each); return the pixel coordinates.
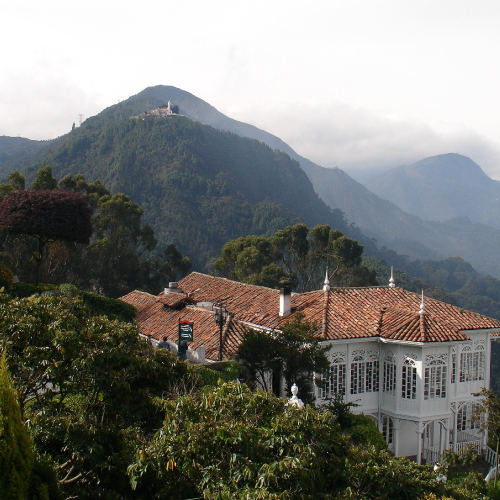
(340, 313)
(158, 320)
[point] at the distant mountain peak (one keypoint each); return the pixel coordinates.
(440, 188)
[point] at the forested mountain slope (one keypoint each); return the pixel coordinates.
(194, 108)
(13, 149)
(440, 188)
(199, 187)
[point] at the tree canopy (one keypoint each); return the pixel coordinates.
(297, 253)
(47, 216)
(122, 253)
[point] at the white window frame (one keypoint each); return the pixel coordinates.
(389, 381)
(409, 379)
(335, 381)
(472, 364)
(364, 372)
(388, 429)
(465, 417)
(435, 379)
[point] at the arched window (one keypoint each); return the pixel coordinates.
(468, 418)
(334, 382)
(435, 379)
(364, 372)
(409, 379)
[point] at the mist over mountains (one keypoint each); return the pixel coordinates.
(440, 188)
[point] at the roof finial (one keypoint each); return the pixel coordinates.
(422, 308)
(392, 284)
(326, 286)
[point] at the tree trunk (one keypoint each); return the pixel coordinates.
(38, 259)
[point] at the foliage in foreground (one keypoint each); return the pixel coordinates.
(107, 412)
(16, 454)
(87, 386)
(228, 442)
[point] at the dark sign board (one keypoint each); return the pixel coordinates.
(186, 330)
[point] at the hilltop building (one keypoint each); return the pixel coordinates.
(411, 364)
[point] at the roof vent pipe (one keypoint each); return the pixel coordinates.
(172, 288)
(285, 297)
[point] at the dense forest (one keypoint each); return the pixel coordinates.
(198, 187)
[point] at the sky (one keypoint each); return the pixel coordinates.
(357, 84)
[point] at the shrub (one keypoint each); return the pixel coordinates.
(210, 375)
(69, 290)
(22, 290)
(6, 277)
(112, 308)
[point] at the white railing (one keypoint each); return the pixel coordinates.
(462, 447)
(490, 456)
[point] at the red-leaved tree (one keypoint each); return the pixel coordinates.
(46, 216)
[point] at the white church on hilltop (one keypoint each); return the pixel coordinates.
(412, 364)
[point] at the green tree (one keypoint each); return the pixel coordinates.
(296, 253)
(490, 406)
(88, 386)
(16, 182)
(231, 443)
(293, 353)
(16, 454)
(44, 180)
(45, 216)
(122, 254)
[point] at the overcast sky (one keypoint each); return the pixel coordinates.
(361, 85)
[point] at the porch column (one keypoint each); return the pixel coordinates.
(396, 423)
(447, 434)
(454, 427)
(419, 448)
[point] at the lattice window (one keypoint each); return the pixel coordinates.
(409, 379)
(390, 374)
(468, 418)
(472, 366)
(388, 429)
(453, 368)
(435, 380)
(334, 383)
(364, 374)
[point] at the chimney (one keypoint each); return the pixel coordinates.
(285, 297)
(172, 288)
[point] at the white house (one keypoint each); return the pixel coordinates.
(412, 364)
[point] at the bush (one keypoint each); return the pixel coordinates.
(6, 277)
(69, 290)
(210, 375)
(23, 290)
(112, 308)
(366, 433)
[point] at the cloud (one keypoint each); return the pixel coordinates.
(42, 107)
(360, 141)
